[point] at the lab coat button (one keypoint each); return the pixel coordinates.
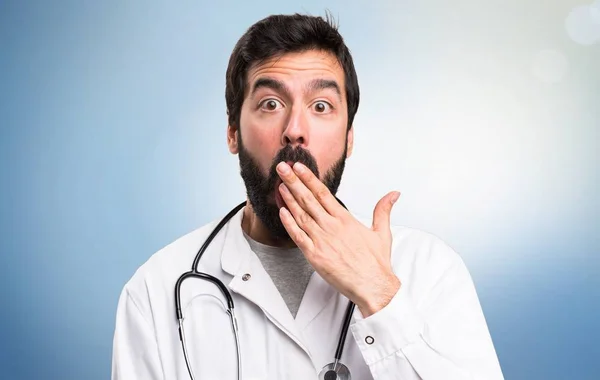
(246, 277)
(369, 340)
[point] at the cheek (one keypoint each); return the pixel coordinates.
(330, 144)
(260, 130)
(329, 159)
(262, 144)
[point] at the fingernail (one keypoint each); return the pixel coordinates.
(299, 167)
(395, 197)
(283, 168)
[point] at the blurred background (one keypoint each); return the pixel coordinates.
(484, 114)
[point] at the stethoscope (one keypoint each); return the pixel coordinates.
(332, 371)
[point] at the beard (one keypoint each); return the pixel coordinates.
(261, 188)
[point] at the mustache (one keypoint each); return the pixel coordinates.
(298, 154)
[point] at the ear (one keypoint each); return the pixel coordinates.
(232, 139)
(350, 137)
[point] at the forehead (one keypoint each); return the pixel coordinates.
(299, 68)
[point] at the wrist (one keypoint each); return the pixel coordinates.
(379, 297)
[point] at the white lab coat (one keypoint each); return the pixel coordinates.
(433, 329)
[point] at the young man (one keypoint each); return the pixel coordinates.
(293, 257)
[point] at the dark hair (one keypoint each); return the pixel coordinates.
(280, 34)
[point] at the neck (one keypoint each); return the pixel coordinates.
(257, 231)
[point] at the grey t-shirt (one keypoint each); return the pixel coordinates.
(288, 268)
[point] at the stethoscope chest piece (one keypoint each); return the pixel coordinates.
(335, 371)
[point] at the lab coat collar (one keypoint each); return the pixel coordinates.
(238, 259)
(234, 252)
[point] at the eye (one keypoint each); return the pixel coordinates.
(270, 105)
(322, 107)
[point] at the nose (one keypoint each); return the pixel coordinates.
(296, 128)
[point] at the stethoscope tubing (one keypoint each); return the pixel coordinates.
(194, 273)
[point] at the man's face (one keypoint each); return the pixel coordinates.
(294, 110)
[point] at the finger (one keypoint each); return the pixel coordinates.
(318, 189)
(302, 240)
(382, 212)
(302, 218)
(301, 194)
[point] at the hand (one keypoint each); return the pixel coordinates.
(353, 258)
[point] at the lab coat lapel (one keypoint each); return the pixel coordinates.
(317, 295)
(251, 281)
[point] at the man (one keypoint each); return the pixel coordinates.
(294, 257)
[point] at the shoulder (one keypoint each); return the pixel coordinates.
(426, 264)
(418, 254)
(164, 266)
(422, 246)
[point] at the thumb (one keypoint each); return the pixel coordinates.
(383, 209)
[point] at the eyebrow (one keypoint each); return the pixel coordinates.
(272, 84)
(324, 84)
(279, 86)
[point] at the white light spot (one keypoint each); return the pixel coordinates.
(583, 24)
(550, 66)
(595, 12)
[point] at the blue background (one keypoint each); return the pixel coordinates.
(485, 115)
